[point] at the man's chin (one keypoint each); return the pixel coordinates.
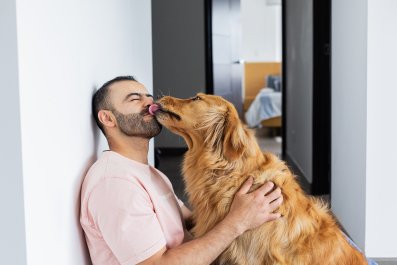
(155, 132)
(144, 135)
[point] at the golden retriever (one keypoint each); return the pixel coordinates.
(221, 154)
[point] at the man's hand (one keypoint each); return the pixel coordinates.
(250, 210)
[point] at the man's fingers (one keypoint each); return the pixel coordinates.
(275, 204)
(265, 188)
(246, 186)
(274, 195)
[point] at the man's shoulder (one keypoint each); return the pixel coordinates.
(97, 170)
(107, 169)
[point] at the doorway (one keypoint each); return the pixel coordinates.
(243, 63)
(305, 123)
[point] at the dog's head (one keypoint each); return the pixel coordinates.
(205, 119)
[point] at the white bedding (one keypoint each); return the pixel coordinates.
(266, 105)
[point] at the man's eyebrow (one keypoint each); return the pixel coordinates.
(136, 94)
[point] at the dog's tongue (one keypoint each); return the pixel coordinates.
(153, 108)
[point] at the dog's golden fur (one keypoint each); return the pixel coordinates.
(222, 154)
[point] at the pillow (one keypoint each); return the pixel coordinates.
(274, 81)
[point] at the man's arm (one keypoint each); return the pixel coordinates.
(186, 213)
(248, 211)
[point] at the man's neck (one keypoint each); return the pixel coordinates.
(134, 148)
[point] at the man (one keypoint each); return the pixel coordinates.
(129, 212)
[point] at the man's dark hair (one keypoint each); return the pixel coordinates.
(101, 101)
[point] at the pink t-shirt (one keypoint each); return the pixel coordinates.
(128, 211)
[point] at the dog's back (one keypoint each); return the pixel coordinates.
(307, 234)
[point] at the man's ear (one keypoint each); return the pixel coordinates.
(107, 118)
(235, 137)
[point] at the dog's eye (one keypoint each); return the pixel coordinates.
(196, 98)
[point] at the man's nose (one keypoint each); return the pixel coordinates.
(148, 101)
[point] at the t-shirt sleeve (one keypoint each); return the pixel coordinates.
(124, 215)
(180, 202)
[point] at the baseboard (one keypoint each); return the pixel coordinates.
(385, 261)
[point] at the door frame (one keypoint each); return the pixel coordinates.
(209, 70)
(321, 92)
(321, 97)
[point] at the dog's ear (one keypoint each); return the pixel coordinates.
(235, 137)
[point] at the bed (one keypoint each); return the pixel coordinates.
(262, 96)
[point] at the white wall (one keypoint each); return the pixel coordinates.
(65, 51)
(261, 31)
(12, 221)
(381, 201)
(363, 128)
(349, 115)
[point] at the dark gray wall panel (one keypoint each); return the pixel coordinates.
(178, 54)
(299, 62)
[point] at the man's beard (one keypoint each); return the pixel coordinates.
(135, 125)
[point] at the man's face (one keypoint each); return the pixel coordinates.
(131, 101)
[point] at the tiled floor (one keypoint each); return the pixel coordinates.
(270, 144)
(386, 262)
